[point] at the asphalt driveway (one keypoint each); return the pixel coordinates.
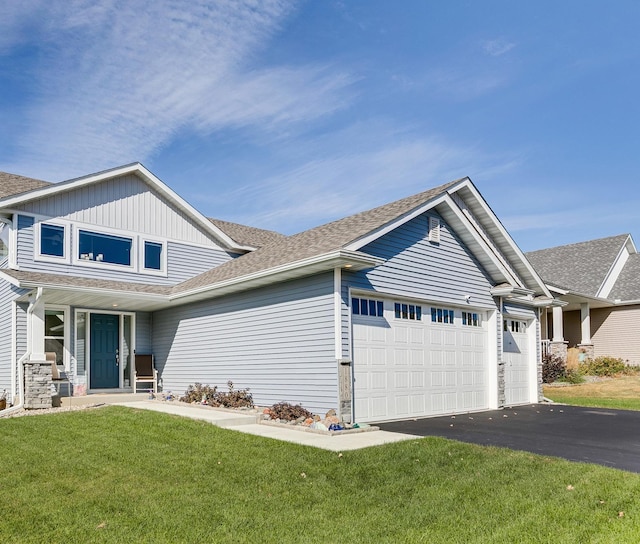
(592, 435)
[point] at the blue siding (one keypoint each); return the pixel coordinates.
(143, 332)
(414, 267)
(278, 341)
(184, 261)
(8, 293)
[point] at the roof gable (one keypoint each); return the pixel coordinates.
(582, 267)
(49, 190)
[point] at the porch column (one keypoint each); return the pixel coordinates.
(558, 345)
(586, 345)
(37, 331)
(558, 330)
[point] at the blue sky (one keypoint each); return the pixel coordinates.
(286, 115)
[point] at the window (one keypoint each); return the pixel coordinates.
(365, 306)
(442, 315)
(471, 319)
(54, 332)
(51, 240)
(408, 311)
(514, 326)
(98, 247)
(153, 255)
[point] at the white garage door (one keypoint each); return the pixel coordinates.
(415, 360)
(516, 360)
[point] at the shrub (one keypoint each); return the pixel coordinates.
(606, 366)
(553, 368)
(572, 375)
(288, 412)
(212, 397)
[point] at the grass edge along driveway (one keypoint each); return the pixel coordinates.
(123, 475)
(621, 393)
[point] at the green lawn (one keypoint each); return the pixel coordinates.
(120, 475)
(622, 392)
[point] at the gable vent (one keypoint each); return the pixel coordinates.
(434, 230)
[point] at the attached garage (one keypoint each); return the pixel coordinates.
(416, 360)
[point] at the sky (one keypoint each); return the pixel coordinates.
(286, 115)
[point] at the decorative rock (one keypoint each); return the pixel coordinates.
(308, 421)
(330, 413)
(330, 420)
(319, 426)
(316, 417)
(266, 411)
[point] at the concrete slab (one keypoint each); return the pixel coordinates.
(249, 424)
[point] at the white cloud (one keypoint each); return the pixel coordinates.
(497, 47)
(121, 77)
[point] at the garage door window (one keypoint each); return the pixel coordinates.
(471, 319)
(515, 326)
(366, 306)
(442, 315)
(408, 311)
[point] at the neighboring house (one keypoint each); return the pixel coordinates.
(599, 281)
(421, 307)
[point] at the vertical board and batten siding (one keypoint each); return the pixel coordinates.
(184, 261)
(126, 203)
(279, 341)
(441, 272)
(615, 332)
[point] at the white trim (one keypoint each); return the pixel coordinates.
(37, 237)
(66, 354)
(148, 177)
(142, 240)
(505, 235)
(13, 242)
(14, 350)
(337, 309)
(102, 265)
(614, 272)
(492, 355)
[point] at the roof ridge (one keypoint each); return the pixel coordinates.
(574, 244)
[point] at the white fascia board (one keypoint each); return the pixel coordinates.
(480, 241)
(506, 236)
(135, 168)
(511, 290)
(399, 221)
(28, 284)
(341, 258)
(614, 272)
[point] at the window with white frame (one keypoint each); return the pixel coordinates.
(471, 319)
(106, 248)
(55, 333)
(153, 255)
(51, 241)
(442, 315)
(367, 306)
(513, 325)
(412, 312)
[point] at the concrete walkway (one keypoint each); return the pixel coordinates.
(248, 423)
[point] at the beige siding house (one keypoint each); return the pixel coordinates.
(599, 282)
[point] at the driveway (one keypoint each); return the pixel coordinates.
(592, 435)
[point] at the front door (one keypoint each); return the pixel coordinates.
(105, 370)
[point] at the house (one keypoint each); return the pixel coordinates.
(424, 306)
(599, 281)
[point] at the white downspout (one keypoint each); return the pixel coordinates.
(26, 355)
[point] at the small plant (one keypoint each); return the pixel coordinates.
(605, 366)
(572, 375)
(289, 412)
(553, 368)
(206, 394)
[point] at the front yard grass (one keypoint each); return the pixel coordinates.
(122, 475)
(622, 393)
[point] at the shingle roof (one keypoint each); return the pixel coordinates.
(90, 283)
(247, 236)
(627, 286)
(314, 242)
(580, 268)
(12, 184)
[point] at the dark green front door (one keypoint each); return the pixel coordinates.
(104, 337)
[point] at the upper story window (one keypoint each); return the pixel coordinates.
(442, 315)
(365, 306)
(107, 248)
(51, 240)
(513, 325)
(153, 255)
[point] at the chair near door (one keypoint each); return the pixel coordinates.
(145, 372)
